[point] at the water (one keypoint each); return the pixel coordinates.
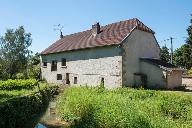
(39, 125)
(50, 119)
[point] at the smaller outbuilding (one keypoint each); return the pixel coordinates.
(153, 68)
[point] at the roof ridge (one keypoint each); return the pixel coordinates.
(138, 22)
(119, 21)
(76, 33)
(111, 34)
(101, 26)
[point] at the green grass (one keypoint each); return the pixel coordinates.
(125, 108)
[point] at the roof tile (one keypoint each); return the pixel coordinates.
(110, 34)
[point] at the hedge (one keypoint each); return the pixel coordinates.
(15, 112)
(18, 84)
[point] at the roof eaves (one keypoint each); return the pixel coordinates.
(44, 54)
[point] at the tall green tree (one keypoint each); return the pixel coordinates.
(183, 55)
(33, 70)
(164, 54)
(14, 52)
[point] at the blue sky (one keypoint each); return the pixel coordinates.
(166, 17)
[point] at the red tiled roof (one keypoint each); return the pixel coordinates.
(110, 34)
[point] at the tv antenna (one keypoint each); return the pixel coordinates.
(59, 28)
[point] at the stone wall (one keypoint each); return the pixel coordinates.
(88, 65)
(174, 79)
(187, 81)
(138, 44)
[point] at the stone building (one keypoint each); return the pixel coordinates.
(124, 53)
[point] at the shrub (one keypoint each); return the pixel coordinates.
(20, 76)
(18, 84)
(34, 71)
(15, 112)
(124, 108)
(189, 71)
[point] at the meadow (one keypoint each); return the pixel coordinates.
(85, 107)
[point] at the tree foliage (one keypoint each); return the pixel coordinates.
(190, 71)
(33, 69)
(14, 52)
(183, 55)
(164, 54)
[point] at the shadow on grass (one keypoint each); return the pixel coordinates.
(87, 119)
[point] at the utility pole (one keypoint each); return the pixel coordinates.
(171, 38)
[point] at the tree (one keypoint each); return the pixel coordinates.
(164, 54)
(189, 32)
(183, 55)
(14, 52)
(189, 45)
(33, 70)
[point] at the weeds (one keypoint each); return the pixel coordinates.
(124, 108)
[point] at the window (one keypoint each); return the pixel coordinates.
(45, 64)
(59, 77)
(54, 65)
(63, 62)
(75, 80)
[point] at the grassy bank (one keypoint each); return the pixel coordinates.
(19, 104)
(125, 108)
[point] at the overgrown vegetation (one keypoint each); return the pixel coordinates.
(20, 100)
(190, 71)
(124, 108)
(18, 84)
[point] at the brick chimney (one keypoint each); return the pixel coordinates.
(95, 28)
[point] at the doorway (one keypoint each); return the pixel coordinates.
(67, 78)
(140, 80)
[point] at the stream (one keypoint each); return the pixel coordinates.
(49, 119)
